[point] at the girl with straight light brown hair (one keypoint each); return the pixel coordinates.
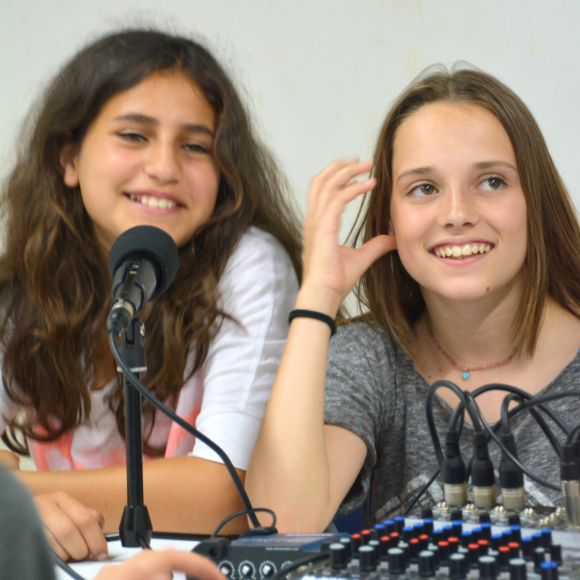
(469, 271)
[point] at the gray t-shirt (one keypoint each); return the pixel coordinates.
(372, 389)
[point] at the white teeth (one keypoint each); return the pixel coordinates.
(154, 202)
(462, 251)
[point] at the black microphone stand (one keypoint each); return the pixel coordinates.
(135, 529)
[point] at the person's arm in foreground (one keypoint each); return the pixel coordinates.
(182, 494)
(24, 552)
(301, 468)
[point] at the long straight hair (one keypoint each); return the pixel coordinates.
(552, 266)
(54, 284)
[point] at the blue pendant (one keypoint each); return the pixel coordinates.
(465, 376)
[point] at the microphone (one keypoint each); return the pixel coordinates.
(143, 262)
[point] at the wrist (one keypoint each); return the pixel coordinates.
(314, 315)
(325, 302)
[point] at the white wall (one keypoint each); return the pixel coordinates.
(320, 74)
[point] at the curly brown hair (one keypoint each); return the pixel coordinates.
(54, 283)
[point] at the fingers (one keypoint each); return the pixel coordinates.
(335, 183)
(149, 565)
(74, 530)
(372, 251)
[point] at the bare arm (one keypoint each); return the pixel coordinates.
(182, 494)
(301, 468)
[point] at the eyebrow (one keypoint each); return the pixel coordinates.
(418, 171)
(146, 120)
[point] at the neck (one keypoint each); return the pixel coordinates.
(473, 332)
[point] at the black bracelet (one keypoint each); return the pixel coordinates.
(316, 315)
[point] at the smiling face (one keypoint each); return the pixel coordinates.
(147, 159)
(458, 210)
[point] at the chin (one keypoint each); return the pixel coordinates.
(463, 292)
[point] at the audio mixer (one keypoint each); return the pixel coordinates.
(410, 549)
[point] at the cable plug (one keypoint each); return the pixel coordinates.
(511, 477)
(482, 476)
(570, 476)
(454, 472)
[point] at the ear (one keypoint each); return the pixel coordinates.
(68, 160)
(391, 229)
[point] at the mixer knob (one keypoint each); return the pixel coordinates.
(518, 569)
(487, 568)
(539, 557)
(457, 567)
(426, 564)
(556, 553)
(246, 570)
(226, 569)
(338, 556)
(367, 558)
(546, 537)
(396, 561)
(549, 570)
(267, 570)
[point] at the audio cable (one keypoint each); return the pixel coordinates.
(184, 425)
(530, 404)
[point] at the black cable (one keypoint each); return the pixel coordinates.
(431, 422)
(143, 543)
(572, 434)
(459, 413)
(423, 490)
(539, 420)
(184, 424)
(505, 422)
(536, 402)
(242, 513)
(310, 559)
(65, 567)
(507, 452)
(524, 395)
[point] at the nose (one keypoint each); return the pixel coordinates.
(457, 208)
(162, 162)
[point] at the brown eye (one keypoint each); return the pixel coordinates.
(423, 190)
(492, 183)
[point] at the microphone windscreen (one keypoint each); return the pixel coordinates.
(150, 243)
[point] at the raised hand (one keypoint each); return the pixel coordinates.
(330, 269)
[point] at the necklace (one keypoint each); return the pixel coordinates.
(467, 370)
